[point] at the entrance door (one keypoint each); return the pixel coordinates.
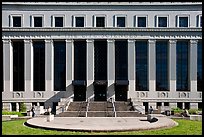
(100, 92)
(80, 93)
(121, 92)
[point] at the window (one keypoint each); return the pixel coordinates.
(100, 59)
(37, 21)
(17, 21)
(39, 65)
(182, 58)
(162, 66)
(141, 58)
(18, 65)
(141, 21)
(58, 21)
(79, 22)
(121, 60)
(199, 66)
(183, 21)
(80, 60)
(59, 66)
(120, 21)
(100, 20)
(162, 22)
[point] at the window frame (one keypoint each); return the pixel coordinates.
(53, 20)
(100, 15)
(177, 18)
(157, 21)
(74, 20)
(116, 21)
(37, 15)
(136, 20)
(16, 15)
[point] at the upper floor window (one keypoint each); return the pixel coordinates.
(162, 21)
(120, 21)
(79, 20)
(16, 20)
(199, 21)
(59, 21)
(182, 21)
(141, 21)
(37, 21)
(100, 21)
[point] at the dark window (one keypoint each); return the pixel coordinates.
(18, 65)
(39, 65)
(100, 60)
(79, 21)
(162, 21)
(37, 21)
(141, 21)
(199, 66)
(16, 21)
(59, 65)
(1, 68)
(183, 21)
(182, 77)
(180, 105)
(162, 66)
(166, 103)
(100, 21)
(80, 60)
(159, 104)
(200, 105)
(58, 21)
(187, 105)
(120, 21)
(121, 60)
(141, 65)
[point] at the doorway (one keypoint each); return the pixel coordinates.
(79, 93)
(121, 92)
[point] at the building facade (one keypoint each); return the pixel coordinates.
(149, 52)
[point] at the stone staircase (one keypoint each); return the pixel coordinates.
(100, 109)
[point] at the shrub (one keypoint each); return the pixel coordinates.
(193, 111)
(22, 107)
(12, 113)
(176, 110)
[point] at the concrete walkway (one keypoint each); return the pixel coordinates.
(101, 123)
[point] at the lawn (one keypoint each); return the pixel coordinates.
(185, 127)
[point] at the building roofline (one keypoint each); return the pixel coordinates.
(102, 3)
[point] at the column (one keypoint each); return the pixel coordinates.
(8, 65)
(193, 65)
(69, 61)
(111, 67)
(90, 67)
(131, 67)
(172, 66)
(28, 52)
(152, 66)
(49, 65)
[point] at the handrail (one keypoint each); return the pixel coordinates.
(67, 102)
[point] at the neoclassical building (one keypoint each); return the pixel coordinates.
(54, 52)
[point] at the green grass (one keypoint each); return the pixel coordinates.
(185, 127)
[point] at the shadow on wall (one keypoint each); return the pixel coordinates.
(60, 94)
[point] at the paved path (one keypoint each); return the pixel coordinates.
(101, 123)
